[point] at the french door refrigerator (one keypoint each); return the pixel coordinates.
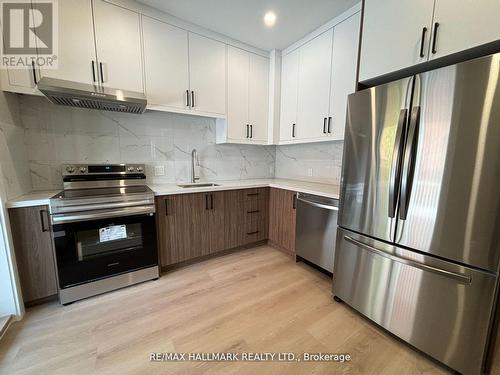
(418, 242)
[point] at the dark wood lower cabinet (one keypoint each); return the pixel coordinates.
(33, 248)
(182, 227)
(194, 225)
(282, 217)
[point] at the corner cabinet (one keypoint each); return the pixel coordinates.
(247, 99)
(34, 252)
(422, 30)
(317, 77)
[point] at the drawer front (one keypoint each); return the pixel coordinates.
(439, 307)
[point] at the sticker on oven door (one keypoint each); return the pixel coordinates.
(115, 232)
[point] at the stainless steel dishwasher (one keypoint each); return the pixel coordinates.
(316, 229)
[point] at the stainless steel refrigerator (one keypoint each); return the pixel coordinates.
(418, 243)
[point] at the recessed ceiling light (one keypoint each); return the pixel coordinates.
(270, 19)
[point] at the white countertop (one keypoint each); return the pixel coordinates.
(36, 198)
(40, 198)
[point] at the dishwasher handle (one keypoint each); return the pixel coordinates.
(316, 204)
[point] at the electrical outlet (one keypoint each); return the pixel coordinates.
(160, 170)
(309, 172)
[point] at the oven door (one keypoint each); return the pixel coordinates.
(96, 249)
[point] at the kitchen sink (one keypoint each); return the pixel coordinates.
(201, 185)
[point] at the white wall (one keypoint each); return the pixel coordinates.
(14, 181)
(316, 162)
(55, 135)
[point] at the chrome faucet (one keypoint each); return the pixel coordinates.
(195, 161)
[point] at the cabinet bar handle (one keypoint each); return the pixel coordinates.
(422, 54)
(206, 201)
(34, 72)
(324, 125)
(102, 72)
(293, 130)
(211, 201)
(192, 99)
(329, 125)
(93, 71)
(294, 201)
(248, 130)
(251, 131)
(253, 212)
(166, 207)
(252, 194)
(434, 37)
(42, 220)
(187, 99)
(249, 233)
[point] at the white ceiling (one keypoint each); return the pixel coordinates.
(243, 19)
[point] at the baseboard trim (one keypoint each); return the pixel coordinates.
(5, 325)
(291, 254)
(41, 301)
(172, 267)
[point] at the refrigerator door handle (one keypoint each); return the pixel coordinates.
(396, 162)
(409, 162)
(460, 277)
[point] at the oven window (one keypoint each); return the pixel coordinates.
(112, 239)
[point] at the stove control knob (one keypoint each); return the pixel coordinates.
(70, 169)
(130, 169)
(83, 170)
(139, 169)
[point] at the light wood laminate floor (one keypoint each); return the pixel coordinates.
(256, 300)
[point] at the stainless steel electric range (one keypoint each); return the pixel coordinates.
(104, 230)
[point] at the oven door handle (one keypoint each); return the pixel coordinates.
(99, 206)
(104, 214)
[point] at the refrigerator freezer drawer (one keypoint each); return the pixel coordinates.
(439, 307)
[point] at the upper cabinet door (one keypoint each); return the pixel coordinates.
(464, 24)
(237, 93)
(76, 56)
(166, 63)
(118, 42)
(314, 86)
(392, 35)
(289, 94)
(207, 68)
(345, 57)
(258, 101)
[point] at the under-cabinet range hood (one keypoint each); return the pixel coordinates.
(83, 95)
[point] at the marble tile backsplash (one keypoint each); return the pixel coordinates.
(315, 162)
(14, 171)
(55, 135)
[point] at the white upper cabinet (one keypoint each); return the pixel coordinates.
(207, 73)
(398, 34)
(238, 65)
(392, 35)
(464, 24)
(247, 98)
(345, 57)
(258, 100)
(118, 44)
(166, 64)
(76, 52)
(289, 94)
(314, 86)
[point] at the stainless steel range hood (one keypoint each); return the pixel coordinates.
(82, 95)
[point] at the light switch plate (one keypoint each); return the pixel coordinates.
(160, 170)
(310, 172)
